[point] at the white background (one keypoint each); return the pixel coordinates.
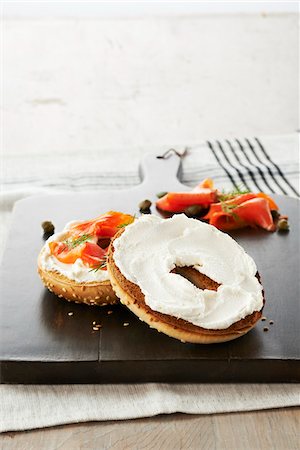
(44, 8)
(76, 77)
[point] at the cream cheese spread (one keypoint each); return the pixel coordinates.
(151, 247)
(78, 271)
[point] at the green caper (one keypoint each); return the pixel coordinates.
(275, 214)
(145, 206)
(283, 225)
(193, 211)
(48, 227)
(161, 194)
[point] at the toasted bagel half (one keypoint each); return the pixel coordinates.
(91, 293)
(131, 295)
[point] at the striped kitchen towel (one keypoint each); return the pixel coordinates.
(269, 164)
(258, 164)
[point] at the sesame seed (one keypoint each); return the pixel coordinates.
(95, 328)
(97, 298)
(64, 289)
(266, 329)
(70, 313)
(109, 312)
(108, 297)
(74, 295)
(271, 322)
(94, 323)
(263, 319)
(125, 324)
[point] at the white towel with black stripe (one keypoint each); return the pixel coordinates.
(269, 164)
(266, 164)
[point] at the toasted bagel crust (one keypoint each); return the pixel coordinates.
(131, 296)
(91, 293)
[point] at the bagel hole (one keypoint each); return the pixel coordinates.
(197, 278)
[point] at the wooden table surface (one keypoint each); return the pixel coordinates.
(276, 429)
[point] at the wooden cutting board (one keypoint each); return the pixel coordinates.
(41, 343)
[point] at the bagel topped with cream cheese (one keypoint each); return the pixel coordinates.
(186, 278)
(72, 263)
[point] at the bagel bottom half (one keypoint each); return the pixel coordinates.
(91, 293)
(131, 295)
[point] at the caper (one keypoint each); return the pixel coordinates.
(48, 227)
(145, 206)
(275, 214)
(161, 194)
(193, 211)
(283, 225)
(146, 211)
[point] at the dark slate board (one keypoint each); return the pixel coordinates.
(40, 343)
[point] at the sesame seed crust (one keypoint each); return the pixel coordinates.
(91, 293)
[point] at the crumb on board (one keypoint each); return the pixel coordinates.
(70, 313)
(125, 324)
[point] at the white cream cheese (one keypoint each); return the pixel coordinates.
(78, 271)
(151, 247)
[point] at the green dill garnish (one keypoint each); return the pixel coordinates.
(102, 265)
(123, 225)
(229, 209)
(239, 190)
(75, 242)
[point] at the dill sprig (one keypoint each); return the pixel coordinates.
(229, 209)
(75, 242)
(239, 190)
(102, 265)
(123, 225)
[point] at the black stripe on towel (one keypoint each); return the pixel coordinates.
(223, 167)
(256, 167)
(250, 173)
(266, 166)
(241, 176)
(276, 167)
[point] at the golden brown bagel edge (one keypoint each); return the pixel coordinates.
(131, 296)
(91, 293)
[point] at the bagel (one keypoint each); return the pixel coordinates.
(72, 264)
(182, 281)
(91, 293)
